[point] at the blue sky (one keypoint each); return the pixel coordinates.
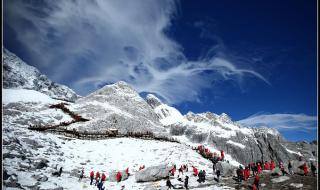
(254, 60)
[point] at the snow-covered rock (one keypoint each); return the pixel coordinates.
(226, 169)
(19, 75)
(153, 173)
(280, 179)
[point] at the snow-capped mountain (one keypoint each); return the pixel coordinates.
(19, 75)
(30, 157)
(117, 106)
(241, 143)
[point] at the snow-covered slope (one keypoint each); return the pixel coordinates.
(30, 157)
(24, 95)
(167, 115)
(241, 144)
(117, 106)
(19, 75)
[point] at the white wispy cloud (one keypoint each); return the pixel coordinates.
(88, 43)
(282, 122)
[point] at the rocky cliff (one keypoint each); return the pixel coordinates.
(19, 75)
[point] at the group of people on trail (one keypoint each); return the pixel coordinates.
(205, 152)
(101, 178)
(244, 174)
(202, 176)
(183, 168)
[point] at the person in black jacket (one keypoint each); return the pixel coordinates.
(186, 181)
(218, 175)
(313, 169)
(169, 185)
(290, 168)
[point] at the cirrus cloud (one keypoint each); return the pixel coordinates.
(86, 44)
(282, 122)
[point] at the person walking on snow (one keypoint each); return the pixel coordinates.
(181, 170)
(313, 169)
(127, 171)
(173, 170)
(103, 177)
(305, 169)
(168, 183)
(186, 182)
(266, 165)
(258, 168)
(272, 165)
(218, 175)
(81, 174)
(256, 181)
(222, 155)
(290, 168)
(118, 176)
(97, 177)
(91, 177)
(195, 171)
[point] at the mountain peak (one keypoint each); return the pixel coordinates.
(153, 101)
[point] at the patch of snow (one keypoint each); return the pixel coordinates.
(169, 115)
(293, 152)
(24, 95)
(236, 144)
(280, 179)
(296, 185)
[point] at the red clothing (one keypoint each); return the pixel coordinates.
(259, 168)
(254, 187)
(248, 172)
(266, 166)
(272, 165)
(127, 171)
(245, 174)
(222, 154)
(91, 174)
(141, 167)
(103, 177)
(256, 179)
(305, 169)
(195, 171)
(172, 171)
(118, 176)
(97, 175)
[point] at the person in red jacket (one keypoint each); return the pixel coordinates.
(256, 181)
(127, 171)
(248, 171)
(173, 170)
(118, 176)
(103, 177)
(254, 187)
(258, 168)
(222, 155)
(91, 177)
(266, 165)
(245, 177)
(305, 169)
(97, 177)
(272, 165)
(195, 171)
